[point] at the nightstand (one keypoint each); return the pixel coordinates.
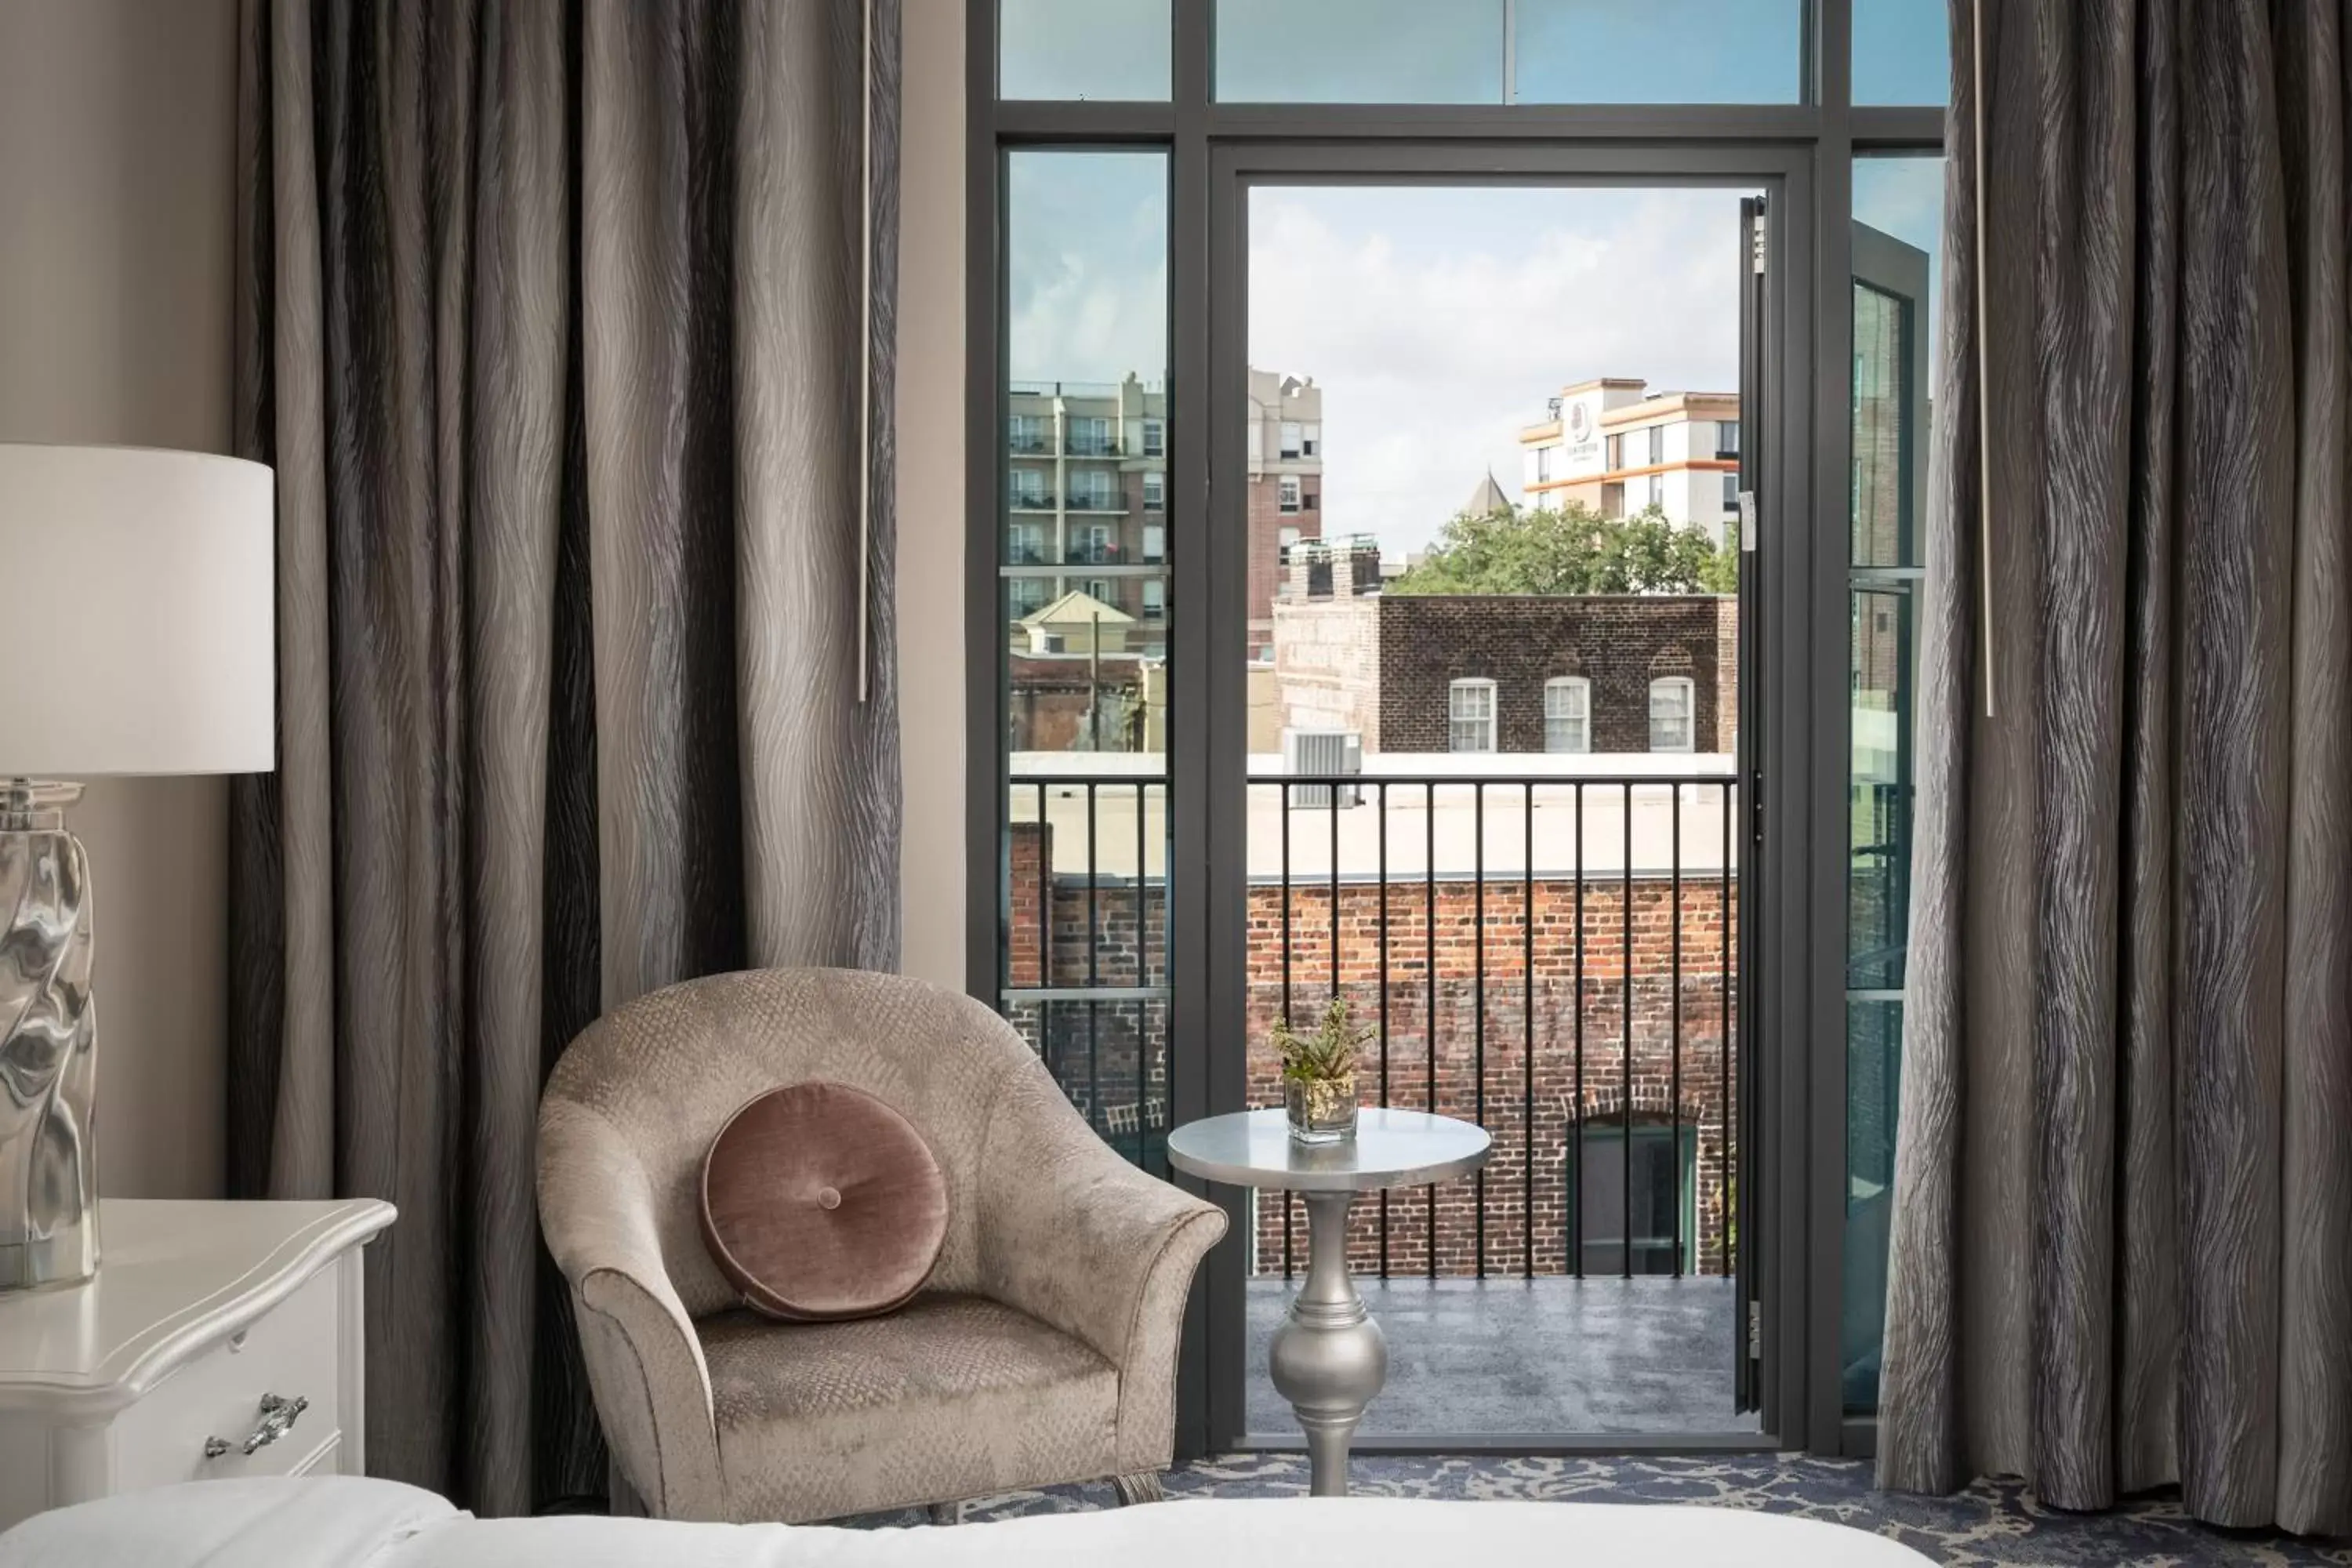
(218, 1339)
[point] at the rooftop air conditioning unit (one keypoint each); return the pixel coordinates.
(1325, 752)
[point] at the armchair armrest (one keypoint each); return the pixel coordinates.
(1075, 1237)
(646, 1368)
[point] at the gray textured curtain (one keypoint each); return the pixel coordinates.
(2122, 1250)
(550, 323)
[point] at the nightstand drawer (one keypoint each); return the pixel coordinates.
(287, 1354)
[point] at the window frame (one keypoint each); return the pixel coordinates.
(1289, 494)
(1467, 686)
(1802, 154)
(1581, 687)
(1689, 690)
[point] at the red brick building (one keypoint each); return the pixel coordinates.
(1604, 672)
(1451, 951)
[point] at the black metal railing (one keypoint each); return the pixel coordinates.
(1543, 954)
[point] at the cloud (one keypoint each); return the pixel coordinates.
(1438, 321)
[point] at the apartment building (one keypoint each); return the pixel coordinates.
(1616, 447)
(1087, 474)
(1285, 487)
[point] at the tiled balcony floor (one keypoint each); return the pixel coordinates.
(1518, 1356)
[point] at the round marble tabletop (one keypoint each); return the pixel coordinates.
(1391, 1149)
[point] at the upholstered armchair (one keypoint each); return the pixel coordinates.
(1042, 1349)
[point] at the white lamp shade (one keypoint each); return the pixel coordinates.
(138, 614)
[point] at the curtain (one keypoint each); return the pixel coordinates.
(566, 328)
(2122, 1244)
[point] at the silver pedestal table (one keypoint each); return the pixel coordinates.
(1328, 1357)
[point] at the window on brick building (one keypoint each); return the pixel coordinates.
(1155, 598)
(1155, 439)
(1672, 704)
(1155, 542)
(1289, 492)
(1155, 492)
(1660, 1168)
(1567, 714)
(1470, 716)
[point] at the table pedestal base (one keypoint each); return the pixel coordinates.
(1328, 1357)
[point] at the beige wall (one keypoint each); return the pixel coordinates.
(930, 487)
(117, 142)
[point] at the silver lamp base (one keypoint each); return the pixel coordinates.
(48, 1064)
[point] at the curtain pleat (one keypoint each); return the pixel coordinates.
(569, 556)
(2122, 1247)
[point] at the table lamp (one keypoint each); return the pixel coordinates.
(139, 632)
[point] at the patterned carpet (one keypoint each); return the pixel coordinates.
(1991, 1523)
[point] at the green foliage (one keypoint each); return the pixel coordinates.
(1573, 549)
(1329, 1053)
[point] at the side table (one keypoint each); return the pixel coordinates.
(1328, 1357)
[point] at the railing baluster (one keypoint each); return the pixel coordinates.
(1723, 1029)
(1044, 918)
(1574, 1185)
(1674, 1070)
(1094, 976)
(1282, 797)
(1478, 996)
(1625, 1024)
(1429, 1020)
(1380, 818)
(1527, 1051)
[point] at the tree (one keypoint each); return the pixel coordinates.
(1571, 550)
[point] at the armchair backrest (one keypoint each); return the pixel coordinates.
(664, 1073)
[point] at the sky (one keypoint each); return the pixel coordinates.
(1437, 320)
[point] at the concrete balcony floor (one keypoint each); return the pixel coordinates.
(1470, 1357)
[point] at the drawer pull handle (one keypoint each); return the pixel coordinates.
(277, 1418)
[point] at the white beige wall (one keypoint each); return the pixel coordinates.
(117, 142)
(930, 486)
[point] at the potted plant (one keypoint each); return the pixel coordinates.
(1319, 1075)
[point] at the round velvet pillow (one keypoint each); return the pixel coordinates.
(820, 1203)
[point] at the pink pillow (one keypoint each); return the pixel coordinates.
(821, 1202)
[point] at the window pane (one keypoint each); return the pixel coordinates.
(1359, 51)
(1902, 51)
(1873, 1034)
(1102, 50)
(1662, 51)
(1878, 839)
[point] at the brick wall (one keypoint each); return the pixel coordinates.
(1327, 666)
(1620, 643)
(1111, 1058)
(1266, 521)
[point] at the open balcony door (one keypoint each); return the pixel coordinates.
(1747, 1335)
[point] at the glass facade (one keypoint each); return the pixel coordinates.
(1083, 905)
(1104, 50)
(1893, 305)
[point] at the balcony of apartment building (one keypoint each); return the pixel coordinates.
(1546, 944)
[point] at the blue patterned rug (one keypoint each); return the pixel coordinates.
(1991, 1523)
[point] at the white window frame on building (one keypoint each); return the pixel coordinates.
(1470, 715)
(1155, 437)
(1657, 444)
(1155, 491)
(1726, 437)
(1567, 714)
(1102, 589)
(1155, 542)
(1026, 433)
(1094, 490)
(1031, 489)
(1155, 598)
(1731, 492)
(1290, 491)
(1680, 691)
(1090, 435)
(1025, 596)
(1293, 438)
(1543, 465)
(1093, 540)
(1025, 544)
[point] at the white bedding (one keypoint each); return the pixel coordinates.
(349, 1522)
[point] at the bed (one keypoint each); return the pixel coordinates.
(335, 1521)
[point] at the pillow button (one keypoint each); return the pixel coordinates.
(828, 1197)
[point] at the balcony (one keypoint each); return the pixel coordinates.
(1551, 954)
(1084, 553)
(1092, 446)
(1097, 500)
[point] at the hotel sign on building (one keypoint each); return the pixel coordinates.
(1619, 449)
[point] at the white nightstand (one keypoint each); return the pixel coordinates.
(219, 1339)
